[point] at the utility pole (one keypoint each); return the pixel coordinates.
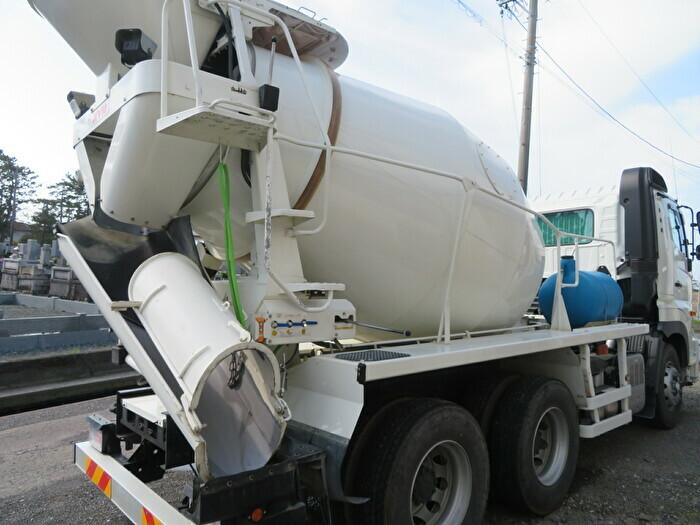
(526, 116)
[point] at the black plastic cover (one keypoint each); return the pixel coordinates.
(134, 46)
(637, 186)
(269, 97)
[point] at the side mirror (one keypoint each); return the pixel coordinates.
(697, 220)
(696, 253)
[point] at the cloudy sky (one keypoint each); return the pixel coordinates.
(436, 52)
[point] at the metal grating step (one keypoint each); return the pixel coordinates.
(218, 126)
(371, 355)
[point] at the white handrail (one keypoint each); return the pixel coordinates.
(453, 261)
(444, 322)
(194, 58)
(164, 55)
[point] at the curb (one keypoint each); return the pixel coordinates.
(25, 398)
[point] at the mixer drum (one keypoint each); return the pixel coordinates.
(390, 230)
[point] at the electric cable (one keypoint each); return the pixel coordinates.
(483, 23)
(646, 86)
(580, 93)
(296, 349)
(605, 111)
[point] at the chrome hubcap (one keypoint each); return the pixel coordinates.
(672, 385)
(442, 485)
(550, 446)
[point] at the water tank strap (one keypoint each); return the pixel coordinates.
(333, 127)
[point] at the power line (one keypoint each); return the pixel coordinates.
(474, 15)
(596, 110)
(580, 93)
(646, 86)
(686, 174)
(607, 113)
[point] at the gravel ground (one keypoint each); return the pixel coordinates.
(635, 475)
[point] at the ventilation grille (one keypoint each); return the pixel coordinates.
(371, 355)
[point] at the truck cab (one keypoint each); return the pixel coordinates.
(650, 259)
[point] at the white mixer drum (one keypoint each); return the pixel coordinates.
(391, 230)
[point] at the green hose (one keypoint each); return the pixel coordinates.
(225, 187)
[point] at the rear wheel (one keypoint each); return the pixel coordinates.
(534, 445)
(428, 465)
(669, 390)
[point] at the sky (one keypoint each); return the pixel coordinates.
(436, 52)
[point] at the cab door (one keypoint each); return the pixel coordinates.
(675, 281)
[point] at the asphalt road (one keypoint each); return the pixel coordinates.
(634, 475)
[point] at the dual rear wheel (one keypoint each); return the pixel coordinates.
(428, 463)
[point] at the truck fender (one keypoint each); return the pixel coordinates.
(676, 333)
(562, 364)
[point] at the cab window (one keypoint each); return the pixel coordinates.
(578, 222)
(676, 229)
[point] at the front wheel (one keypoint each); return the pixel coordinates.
(534, 444)
(669, 390)
(427, 465)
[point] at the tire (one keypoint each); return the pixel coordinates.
(428, 465)
(533, 445)
(669, 390)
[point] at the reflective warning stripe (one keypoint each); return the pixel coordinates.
(147, 518)
(98, 476)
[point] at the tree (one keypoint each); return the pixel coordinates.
(43, 222)
(17, 185)
(70, 198)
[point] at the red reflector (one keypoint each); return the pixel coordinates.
(256, 515)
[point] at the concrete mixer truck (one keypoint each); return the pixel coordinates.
(332, 198)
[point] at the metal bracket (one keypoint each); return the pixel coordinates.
(120, 306)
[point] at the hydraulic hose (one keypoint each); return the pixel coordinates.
(225, 187)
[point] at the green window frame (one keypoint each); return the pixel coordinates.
(578, 222)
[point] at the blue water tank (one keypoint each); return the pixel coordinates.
(597, 297)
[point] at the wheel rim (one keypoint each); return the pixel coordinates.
(550, 446)
(442, 485)
(672, 385)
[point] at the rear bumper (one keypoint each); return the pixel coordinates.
(133, 497)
